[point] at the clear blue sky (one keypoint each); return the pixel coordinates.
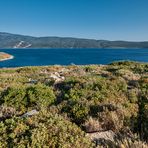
(99, 19)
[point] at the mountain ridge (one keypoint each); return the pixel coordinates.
(9, 40)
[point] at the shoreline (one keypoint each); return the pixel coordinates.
(5, 56)
(10, 58)
(55, 65)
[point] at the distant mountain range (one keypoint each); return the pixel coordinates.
(8, 40)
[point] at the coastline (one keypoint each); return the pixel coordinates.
(6, 56)
(10, 58)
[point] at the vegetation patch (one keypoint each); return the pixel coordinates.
(72, 102)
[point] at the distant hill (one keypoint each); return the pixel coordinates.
(8, 40)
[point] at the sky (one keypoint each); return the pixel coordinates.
(96, 19)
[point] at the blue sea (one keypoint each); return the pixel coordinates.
(39, 57)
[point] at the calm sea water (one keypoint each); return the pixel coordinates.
(38, 57)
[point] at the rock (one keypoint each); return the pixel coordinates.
(32, 81)
(30, 113)
(102, 137)
(107, 135)
(57, 77)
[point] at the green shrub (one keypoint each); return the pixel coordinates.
(143, 110)
(42, 130)
(40, 95)
(15, 97)
(23, 97)
(133, 96)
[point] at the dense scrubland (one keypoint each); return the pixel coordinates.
(75, 106)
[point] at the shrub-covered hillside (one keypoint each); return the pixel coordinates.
(75, 106)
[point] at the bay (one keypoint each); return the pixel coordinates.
(40, 57)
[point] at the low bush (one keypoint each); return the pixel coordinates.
(42, 130)
(24, 97)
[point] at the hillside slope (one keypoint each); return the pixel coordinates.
(8, 40)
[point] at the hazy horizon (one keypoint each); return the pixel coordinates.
(73, 37)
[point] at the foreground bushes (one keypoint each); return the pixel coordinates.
(24, 97)
(42, 130)
(89, 98)
(99, 98)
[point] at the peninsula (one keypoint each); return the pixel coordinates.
(5, 56)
